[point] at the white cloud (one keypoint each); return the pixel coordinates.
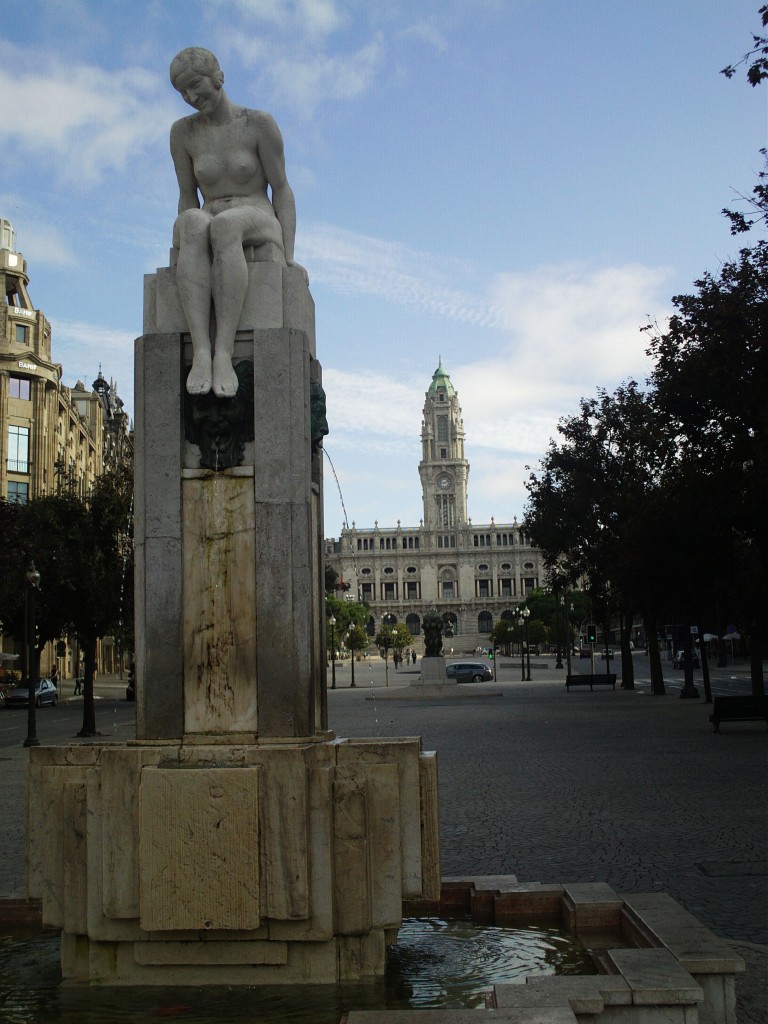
(358, 264)
(305, 81)
(79, 120)
(557, 334)
(83, 347)
(315, 17)
(43, 245)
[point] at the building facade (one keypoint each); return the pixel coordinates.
(53, 439)
(473, 574)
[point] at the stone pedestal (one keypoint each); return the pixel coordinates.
(433, 673)
(195, 863)
(236, 841)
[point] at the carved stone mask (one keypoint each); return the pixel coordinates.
(221, 426)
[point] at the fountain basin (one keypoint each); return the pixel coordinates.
(651, 961)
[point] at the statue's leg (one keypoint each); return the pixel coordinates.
(229, 286)
(193, 278)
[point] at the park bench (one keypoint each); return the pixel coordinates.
(743, 708)
(590, 680)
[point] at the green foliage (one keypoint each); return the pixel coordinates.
(83, 552)
(356, 638)
(346, 613)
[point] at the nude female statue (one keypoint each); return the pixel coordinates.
(229, 155)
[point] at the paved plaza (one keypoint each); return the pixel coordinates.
(604, 785)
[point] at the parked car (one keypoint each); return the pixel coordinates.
(45, 693)
(679, 659)
(469, 671)
(608, 653)
(585, 652)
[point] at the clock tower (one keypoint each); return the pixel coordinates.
(443, 468)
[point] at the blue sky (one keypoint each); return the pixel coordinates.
(514, 185)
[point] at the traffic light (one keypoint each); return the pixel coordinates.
(591, 633)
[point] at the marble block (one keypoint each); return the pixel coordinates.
(199, 849)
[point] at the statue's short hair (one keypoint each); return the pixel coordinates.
(195, 58)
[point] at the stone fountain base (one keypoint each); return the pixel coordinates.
(211, 863)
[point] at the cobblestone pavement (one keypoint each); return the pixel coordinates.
(615, 786)
(602, 785)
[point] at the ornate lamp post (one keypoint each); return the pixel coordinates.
(33, 582)
(526, 613)
(332, 624)
(521, 624)
(351, 642)
(389, 641)
(558, 601)
(568, 638)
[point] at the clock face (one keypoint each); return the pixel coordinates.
(443, 481)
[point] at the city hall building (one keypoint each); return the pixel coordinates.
(473, 574)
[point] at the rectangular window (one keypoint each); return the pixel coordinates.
(447, 590)
(483, 588)
(22, 333)
(476, 540)
(18, 449)
(417, 541)
(439, 541)
(18, 387)
(412, 591)
(505, 588)
(366, 592)
(529, 584)
(389, 591)
(443, 453)
(18, 492)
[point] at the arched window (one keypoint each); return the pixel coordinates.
(413, 624)
(484, 622)
(508, 616)
(370, 627)
(442, 429)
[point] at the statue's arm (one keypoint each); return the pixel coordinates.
(272, 158)
(189, 198)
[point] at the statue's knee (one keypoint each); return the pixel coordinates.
(191, 224)
(225, 232)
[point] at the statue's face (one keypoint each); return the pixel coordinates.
(218, 422)
(198, 90)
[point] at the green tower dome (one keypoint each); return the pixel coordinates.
(440, 379)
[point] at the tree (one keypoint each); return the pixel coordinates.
(585, 508)
(756, 61)
(757, 70)
(711, 376)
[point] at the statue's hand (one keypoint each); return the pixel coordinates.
(293, 263)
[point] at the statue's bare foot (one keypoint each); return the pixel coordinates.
(200, 377)
(225, 382)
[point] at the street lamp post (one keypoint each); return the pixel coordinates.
(332, 624)
(521, 624)
(568, 613)
(32, 583)
(526, 613)
(351, 642)
(389, 641)
(559, 661)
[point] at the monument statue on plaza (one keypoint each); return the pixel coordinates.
(230, 156)
(236, 841)
(433, 634)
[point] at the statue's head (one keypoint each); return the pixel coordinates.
(196, 61)
(221, 426)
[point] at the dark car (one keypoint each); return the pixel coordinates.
(45, 693)
(679, 659)
(585, 652)
(469, 671)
